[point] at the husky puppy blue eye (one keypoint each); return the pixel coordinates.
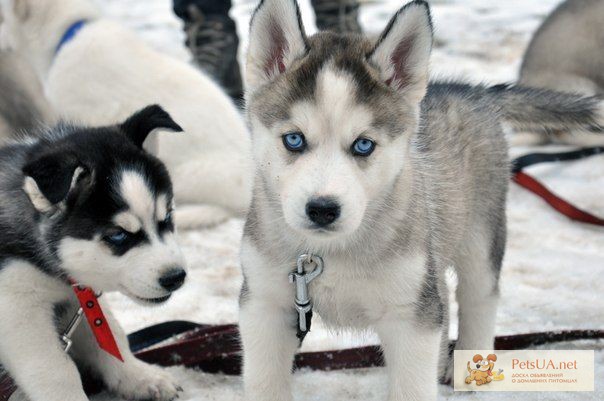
(294, 141)
(117, 238)
(363, 147)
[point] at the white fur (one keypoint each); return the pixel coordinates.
(132, 379)
(137, 194)
(162, 207)
(36, 197)
(476, 292)
(137, 272)
(128, 221)
(105, 73)
(410, 359)
(331, 123)
(344, 296)
(30, 348)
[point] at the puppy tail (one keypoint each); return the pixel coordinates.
(469, 370)
(542, 110)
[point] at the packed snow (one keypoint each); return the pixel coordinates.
(553, 275)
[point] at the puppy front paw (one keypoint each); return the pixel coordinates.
(143, 382)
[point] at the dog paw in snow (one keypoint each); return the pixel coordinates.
(146, 383)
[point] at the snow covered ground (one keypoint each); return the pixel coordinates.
(553, 276)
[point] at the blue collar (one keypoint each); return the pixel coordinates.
(70, 33)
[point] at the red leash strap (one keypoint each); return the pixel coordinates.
(562, 206)
(97, 321)
(559, 204)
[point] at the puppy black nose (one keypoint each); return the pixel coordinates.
(323, 211)
(477, 366)
(173, 279)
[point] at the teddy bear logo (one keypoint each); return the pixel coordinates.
(482, 370)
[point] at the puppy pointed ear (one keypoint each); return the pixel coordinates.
(50, 177)
(477, 358)
(492, 357)
(402, 53)
(142, 123)
(277, 38)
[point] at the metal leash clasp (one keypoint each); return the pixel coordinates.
(301, 279)
(72, 326)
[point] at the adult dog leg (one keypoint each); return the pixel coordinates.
(132, 379)
(220, 179)
(411, 350)
(269, 344)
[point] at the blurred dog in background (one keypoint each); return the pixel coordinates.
(96, 72)
(23, 107)
(566, 54)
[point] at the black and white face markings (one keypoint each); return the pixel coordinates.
(147, 216)
(134, 248)
(106, 205)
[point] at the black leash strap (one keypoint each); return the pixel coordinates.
(217, 349)
(561, 205)
(531, 159)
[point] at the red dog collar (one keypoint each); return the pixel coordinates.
(96, 319)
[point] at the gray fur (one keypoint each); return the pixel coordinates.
(430, 306)
(18, 216)
(347, 53)
(532, 108)
(446, 201)
(244, 293)
(566, 52)
(459, 159)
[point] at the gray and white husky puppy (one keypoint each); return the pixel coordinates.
(84, 205)
(389, 179)
(566, 54)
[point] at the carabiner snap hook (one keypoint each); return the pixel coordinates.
(301, 279)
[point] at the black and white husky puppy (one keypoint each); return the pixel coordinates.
(387, 177)
(84, 205)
